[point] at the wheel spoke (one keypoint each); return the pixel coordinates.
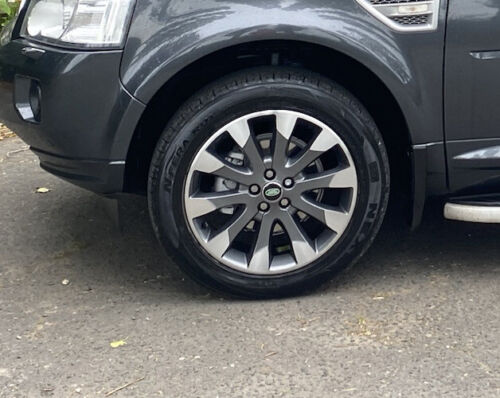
(220, 243)
(240, 131)
(303, 248)
(336, 220)
(211, 164)
(261, 257)
(344, 178)
(285, 123)
(200, 204)
(322, 143)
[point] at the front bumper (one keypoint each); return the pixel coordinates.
(72, 110)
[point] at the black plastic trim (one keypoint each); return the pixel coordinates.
(429, 177)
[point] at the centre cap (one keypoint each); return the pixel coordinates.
(272, 192)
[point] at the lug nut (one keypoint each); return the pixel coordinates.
(284, 203)
(269, 174)
(288, 182)
(254, 189)
(264, 206)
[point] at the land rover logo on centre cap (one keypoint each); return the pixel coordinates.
(272, 192)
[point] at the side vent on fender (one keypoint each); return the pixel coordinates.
(405, 15)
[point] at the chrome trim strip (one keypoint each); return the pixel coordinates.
(481, 154)
(485, 55)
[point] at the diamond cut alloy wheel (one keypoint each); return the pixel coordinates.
(270, 192)
(268, 182)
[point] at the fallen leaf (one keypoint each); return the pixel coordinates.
(5, 132)
(118, 343)
(42, 190)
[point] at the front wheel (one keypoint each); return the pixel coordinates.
(268, 182)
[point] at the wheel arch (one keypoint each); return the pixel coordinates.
(374, 91)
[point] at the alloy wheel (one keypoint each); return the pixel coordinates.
(270, 192)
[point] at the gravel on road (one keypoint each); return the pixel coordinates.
(86, 310)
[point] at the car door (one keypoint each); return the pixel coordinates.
(472, 95)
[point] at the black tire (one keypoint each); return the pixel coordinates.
(250, 91)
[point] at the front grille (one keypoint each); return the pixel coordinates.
(412, 19)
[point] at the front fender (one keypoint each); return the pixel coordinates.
(167, 36)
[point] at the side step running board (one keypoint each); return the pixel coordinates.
(480, 213)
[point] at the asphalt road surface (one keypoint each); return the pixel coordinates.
(417, 316)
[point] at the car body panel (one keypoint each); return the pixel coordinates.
(472, 95)
(166, 36)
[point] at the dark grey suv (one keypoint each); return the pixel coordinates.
(264, 132)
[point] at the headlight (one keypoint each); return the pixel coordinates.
(81, 23)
